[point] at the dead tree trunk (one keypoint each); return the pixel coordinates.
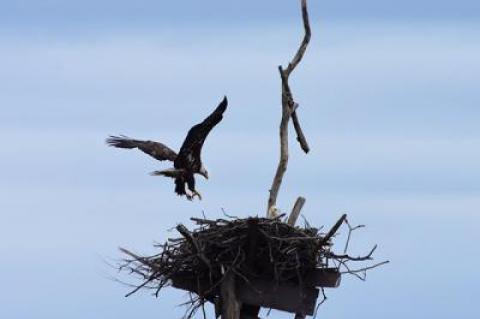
(289, 111)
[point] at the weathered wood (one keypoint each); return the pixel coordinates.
(267, 294)
(335, 228)
(290, 298)
(283, 162)
(249, 312)
(230, 303)
(292, 219)
(289, 112)
(193, 243)
(218, 307)
(292, 65)
(323, 277)
(300, 135)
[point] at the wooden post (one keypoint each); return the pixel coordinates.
(249, 312)
(291, 221)
(230, 303)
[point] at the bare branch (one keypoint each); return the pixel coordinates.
(300, 136)
(324, 298)
(186, 233)
(292, 219)
(296, 60)
(362, 272)
(348, 257)
(350, 231)
(282, 164)
(306, 39)
(343, 260)
(289, 111)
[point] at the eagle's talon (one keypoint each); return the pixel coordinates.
(195, 193)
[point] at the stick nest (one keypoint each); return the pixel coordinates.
(253, 248)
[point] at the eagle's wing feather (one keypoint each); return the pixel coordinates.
(157, 150)
(192, 146)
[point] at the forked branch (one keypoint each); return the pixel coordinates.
(289, 111)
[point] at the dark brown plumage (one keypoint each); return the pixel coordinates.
(188, 161)
(157, 150)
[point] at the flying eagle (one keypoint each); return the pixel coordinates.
(187, 162)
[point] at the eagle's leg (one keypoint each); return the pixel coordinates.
(191, 187)
(188, 194)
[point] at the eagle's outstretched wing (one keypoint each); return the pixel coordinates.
(189, 155)
(155, 149)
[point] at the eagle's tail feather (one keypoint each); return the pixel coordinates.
(158, 173)
(172, 172)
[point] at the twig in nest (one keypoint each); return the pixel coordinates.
(363, 270)
(335, 228)
(324, 298)
(342, 260)
(350, 231)
(360, 258)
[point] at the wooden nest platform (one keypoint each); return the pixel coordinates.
(273, 265)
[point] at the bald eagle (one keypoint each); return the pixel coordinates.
(187, 162)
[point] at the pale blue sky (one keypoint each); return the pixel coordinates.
(105, 13)
(389, 101)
